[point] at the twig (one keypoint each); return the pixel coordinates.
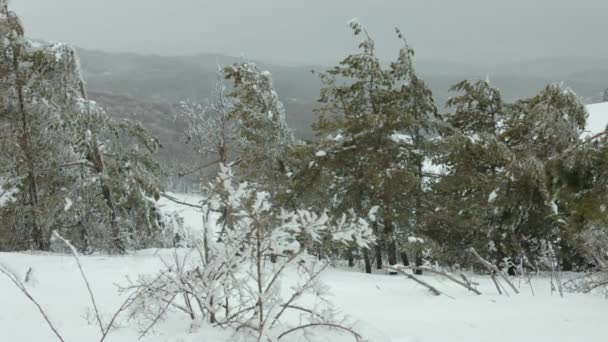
(86, 281)
(158, 317)
(15, 280)
(358, 337)
(122, 308)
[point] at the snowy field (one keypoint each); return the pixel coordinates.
(387, 308)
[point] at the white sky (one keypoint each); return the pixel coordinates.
(315, 31)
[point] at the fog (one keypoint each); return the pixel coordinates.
(480, 32)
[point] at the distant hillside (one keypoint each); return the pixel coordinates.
(148, 87)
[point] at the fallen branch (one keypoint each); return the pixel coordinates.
(412, 277)
(466, 280)
(492, 268)
(443, 273)
(175, 200)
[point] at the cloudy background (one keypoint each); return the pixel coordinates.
(480, 32)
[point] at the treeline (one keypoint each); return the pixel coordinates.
(520, 182)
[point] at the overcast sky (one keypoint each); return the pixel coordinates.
(315, 31)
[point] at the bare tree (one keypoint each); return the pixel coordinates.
(211, 128)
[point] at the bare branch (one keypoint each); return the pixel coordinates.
(492, 268)
(15, 280)
(86, 281)
(412, 277)
(357, 337)
(175, 200)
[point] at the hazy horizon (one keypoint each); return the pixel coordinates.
(472, 32)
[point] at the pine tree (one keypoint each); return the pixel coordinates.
(499, 195)
(375, 126)
(266, 138)
(32, 124)
(68, 153)
(476, 161)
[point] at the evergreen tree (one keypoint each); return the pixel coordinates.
(375, 126)
(63, 153)
(34, 145)
(499, 195)
(476, 161)
(266, 138)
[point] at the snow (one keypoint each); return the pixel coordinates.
(554, 208)
(598, 118)
(353, 21)
(428, 166)
(68, 204)
(321, 154)
(387, 308)
(413, 239)
(400, 138)
(493, 196)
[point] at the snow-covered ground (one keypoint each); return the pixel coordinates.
(388, 308)
(598, 117)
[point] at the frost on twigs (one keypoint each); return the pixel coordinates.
(248, 249)
(596, 242)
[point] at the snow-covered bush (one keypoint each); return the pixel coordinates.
(596, 244)
(235, 277)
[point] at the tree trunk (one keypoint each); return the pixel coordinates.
(378, 247)
(368, 263)
(418, 271)
(97, 159)
(36, 234)
(404, 259)
(389, 241)
(391, 246)
(351, 259)
(117, 242)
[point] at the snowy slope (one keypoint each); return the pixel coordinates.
(389, 308)
(598, 117)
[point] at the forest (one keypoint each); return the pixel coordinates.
(393, 183)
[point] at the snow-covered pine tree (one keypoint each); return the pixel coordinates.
(579, 182)
(35, 147)
(498, 195)
(68, 153)
(539, 131)
(476, 162)
(266, 137)
(376, 126)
